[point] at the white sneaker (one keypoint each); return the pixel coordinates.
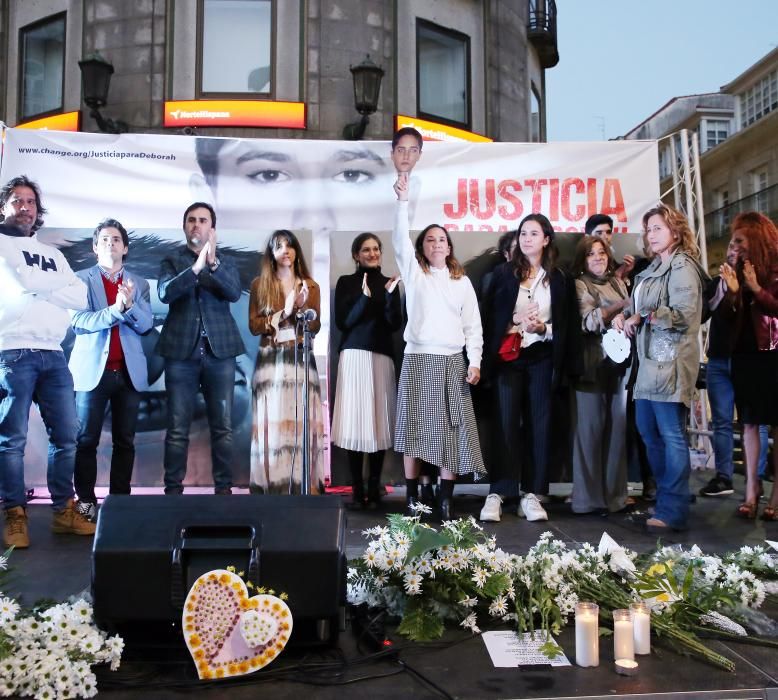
(530, 508)
(492, 509)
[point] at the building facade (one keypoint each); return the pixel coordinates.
(737, 129)
(477, 65)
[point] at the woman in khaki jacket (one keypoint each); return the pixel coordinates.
(664, 317)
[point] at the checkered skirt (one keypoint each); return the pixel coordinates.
(435, 419)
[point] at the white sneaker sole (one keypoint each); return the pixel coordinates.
(534, 518)
(489, 518)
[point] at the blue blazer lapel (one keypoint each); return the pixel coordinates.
(96, 283)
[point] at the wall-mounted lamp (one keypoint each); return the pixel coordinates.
(367, 86)
(95, 80)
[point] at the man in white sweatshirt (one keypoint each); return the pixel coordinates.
(38, 287)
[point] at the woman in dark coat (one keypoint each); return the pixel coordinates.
(530, 296)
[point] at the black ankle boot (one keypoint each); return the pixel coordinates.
(373, 493)
(447, 509)
(427, 495)
(446, 500)
(374, 490)
(357, 484)
(357, 497)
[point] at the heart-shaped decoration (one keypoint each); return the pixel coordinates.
(616, 345)
(228, 633)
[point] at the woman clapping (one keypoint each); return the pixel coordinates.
(752, 303)
(367, 313)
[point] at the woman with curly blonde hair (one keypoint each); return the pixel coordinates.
(664, 315)
(751, 301)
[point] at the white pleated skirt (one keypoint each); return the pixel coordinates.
(365, 401)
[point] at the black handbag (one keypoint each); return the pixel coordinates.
(702, 376)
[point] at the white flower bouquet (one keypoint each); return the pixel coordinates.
(48, 653)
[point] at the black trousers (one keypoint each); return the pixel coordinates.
(522, 424)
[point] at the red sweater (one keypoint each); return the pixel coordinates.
(115, 355)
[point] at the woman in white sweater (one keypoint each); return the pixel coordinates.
(435, 420)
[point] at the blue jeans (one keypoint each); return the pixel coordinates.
(41, 376)
(116, 387)
(764, 449)
(662, 426)
(183, 379)
(721, 395)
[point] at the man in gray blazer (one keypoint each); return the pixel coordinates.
(108, 363)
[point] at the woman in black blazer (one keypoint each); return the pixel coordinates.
(532, 297)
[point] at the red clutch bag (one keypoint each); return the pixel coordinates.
(510, 347)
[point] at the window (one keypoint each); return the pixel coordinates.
(442, 71)
(42, 67)
(534, 117)
(236, 47)
(716, 131)
(723, 205)
(759, 99)
(665, 166)
(759, 183)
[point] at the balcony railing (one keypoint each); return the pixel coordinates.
(717, 222)
(541, 31)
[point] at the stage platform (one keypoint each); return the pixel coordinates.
(458, 666)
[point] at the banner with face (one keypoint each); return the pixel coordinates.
(318, 188)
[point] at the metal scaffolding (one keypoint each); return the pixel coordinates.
(687, 198)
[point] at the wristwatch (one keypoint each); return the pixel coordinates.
(215, 265)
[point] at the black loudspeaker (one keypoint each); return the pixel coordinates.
(149, 550)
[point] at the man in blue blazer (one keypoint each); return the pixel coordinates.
(108, 363)
(199, 341)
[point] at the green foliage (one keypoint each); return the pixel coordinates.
(496, 584)
(427, 540)
(550, 649)
(420, 624)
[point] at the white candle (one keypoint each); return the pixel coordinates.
(626, 667)
(587, 634)
(641, 624)
(623, 643)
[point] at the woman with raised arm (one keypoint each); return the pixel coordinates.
(435, 420)
(664, 315)
(751, 301)
(282, 294)
(367, 313)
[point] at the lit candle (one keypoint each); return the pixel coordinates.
(641, 625)
(623, 643)
(587, 634)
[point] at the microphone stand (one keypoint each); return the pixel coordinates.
(305, 483)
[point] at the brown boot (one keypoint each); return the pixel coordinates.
(15, 531)
(69, 521)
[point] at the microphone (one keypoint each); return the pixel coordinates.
(306, 315)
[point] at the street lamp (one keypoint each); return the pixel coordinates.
(95, 81)
(367, 86)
